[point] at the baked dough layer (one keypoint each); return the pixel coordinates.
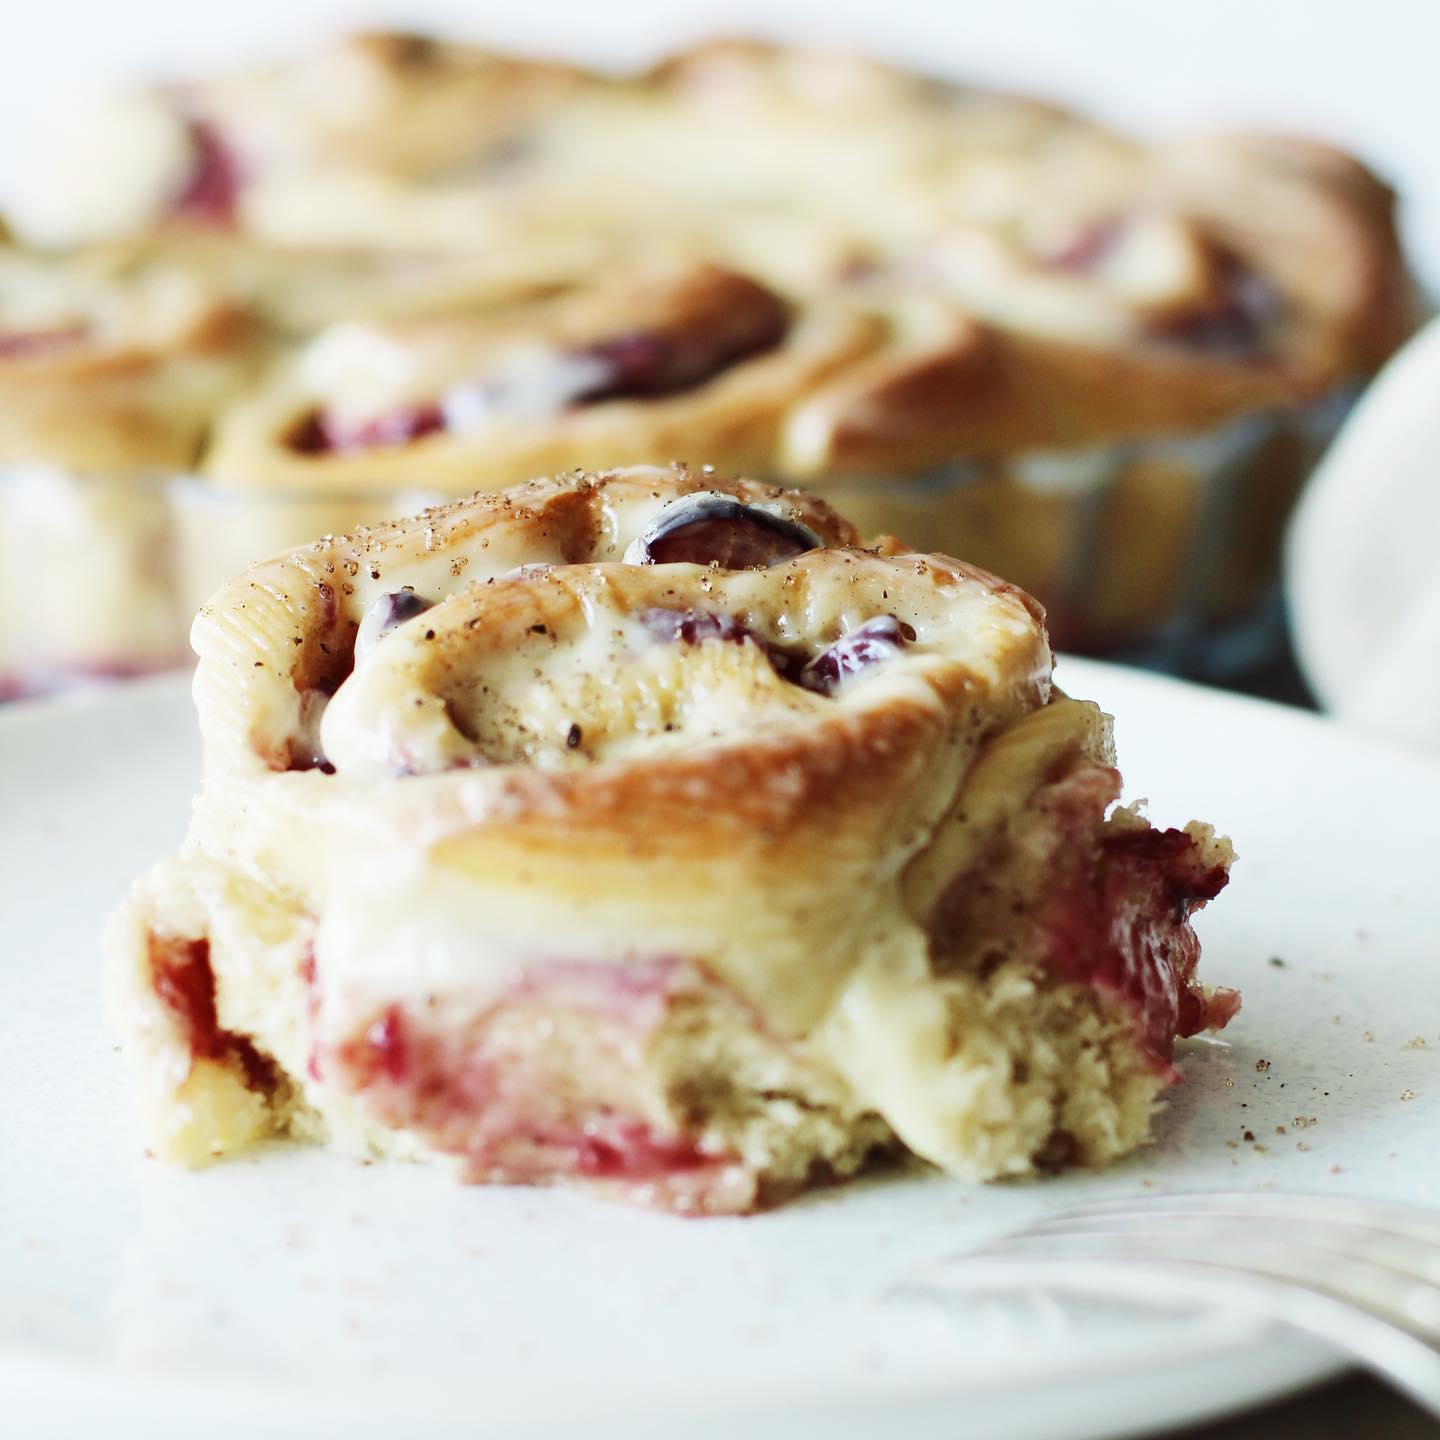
(529, 841)
(110, 374)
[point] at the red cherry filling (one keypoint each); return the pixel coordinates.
(1087, 248)
(636, 364)
(514, 1109)
(386, 1047)
(1113, 911)
(1119, 918)
(1233, 319)
(211, 192)
(1237, 320)
(614, 1147)
(869, 644)
(182, 976)
(310, 975)
(1126, 930)
(696, 627)
(1167, 865)
(41, 344)
(322, 433)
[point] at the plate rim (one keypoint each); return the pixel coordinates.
(39, 1372)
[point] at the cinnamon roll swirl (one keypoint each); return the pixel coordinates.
(643, 830)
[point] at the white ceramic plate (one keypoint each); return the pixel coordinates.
(292, 1293)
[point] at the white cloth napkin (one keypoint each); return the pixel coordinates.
(1363, 558)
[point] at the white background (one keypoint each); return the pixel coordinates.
(1365, 73)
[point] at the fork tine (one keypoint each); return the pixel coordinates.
(1409, 1222)
(1403, 1254)
(1362, 1275)
(1381, 1288)
(1387, 1349)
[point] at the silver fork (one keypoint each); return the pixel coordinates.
(1361, 1276)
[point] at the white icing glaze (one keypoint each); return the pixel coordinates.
(523, 383)
(104, 170)
(357, 370)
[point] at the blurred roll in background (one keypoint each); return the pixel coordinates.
(276, 276)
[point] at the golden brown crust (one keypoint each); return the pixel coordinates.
(989, 393)
(294, 291)
(1308, 228)
(426, 105)
(112, 372)
(1315, 219)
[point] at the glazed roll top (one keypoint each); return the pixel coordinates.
(682, 358)
(113, 367)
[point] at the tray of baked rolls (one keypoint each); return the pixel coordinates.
(394, 270)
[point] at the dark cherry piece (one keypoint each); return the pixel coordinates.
(303, 757)
(388, 613)
(692, 627)
(320, 433)
(644, 363)
(873, 642)
(695, 627)
(396, 608)
(211, 193)
(710, 529)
